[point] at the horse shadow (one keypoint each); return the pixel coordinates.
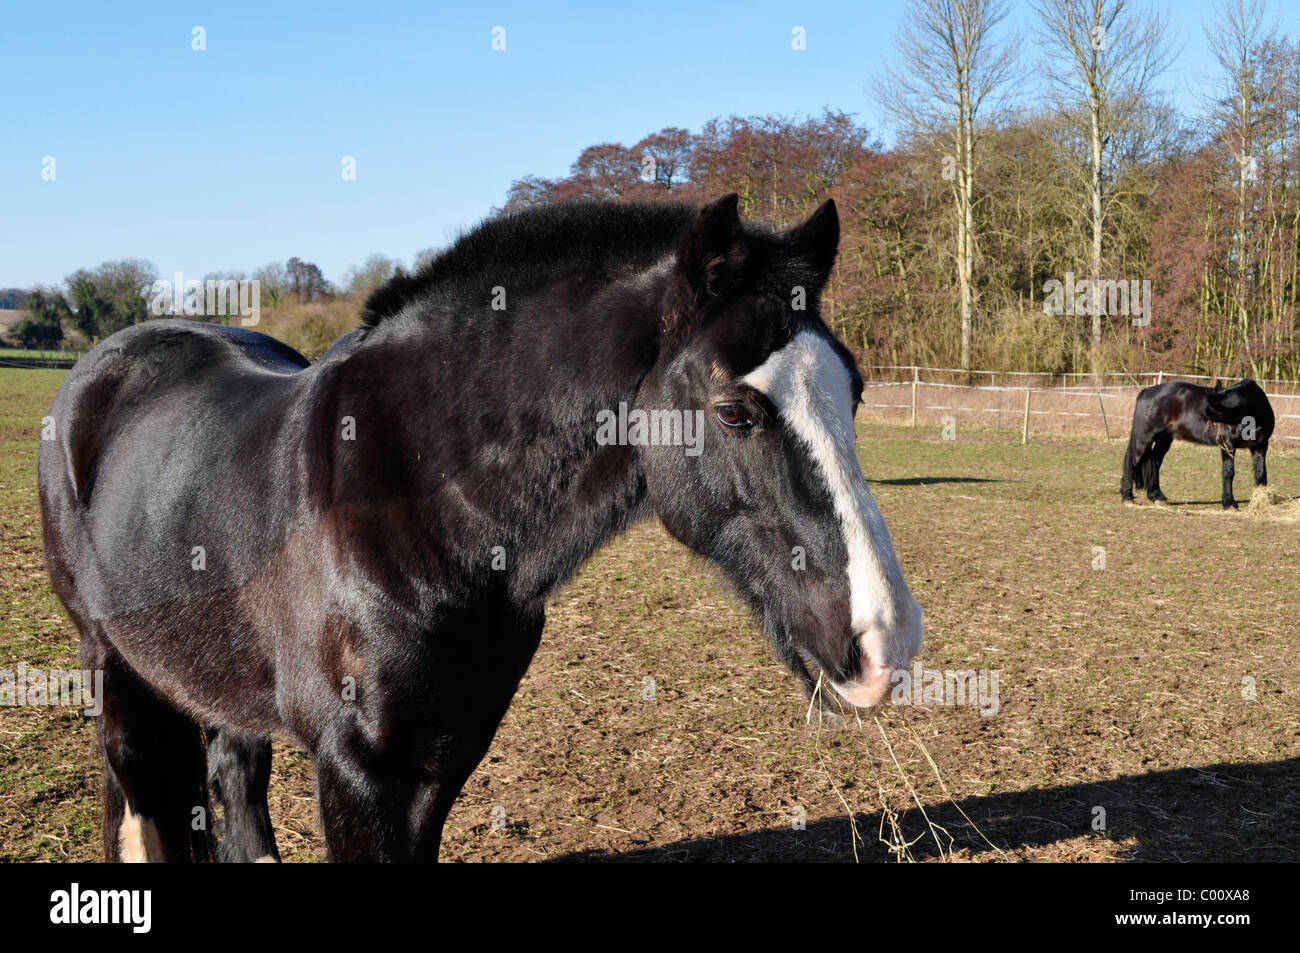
(1174, 505)
(928, 481)
(1240, 812)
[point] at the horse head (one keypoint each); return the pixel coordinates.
(776, 496)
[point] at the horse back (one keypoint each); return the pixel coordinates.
(1184, 411)
(129, 374)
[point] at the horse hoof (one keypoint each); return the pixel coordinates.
(1231, 506)
(1130, 502)
(1160, 502)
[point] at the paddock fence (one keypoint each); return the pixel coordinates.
(56, 359)
(1028, 403)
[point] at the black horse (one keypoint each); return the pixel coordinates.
(356, 554)
(1225, 417)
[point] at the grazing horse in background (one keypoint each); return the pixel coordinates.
(1229, 418)
(356, 554)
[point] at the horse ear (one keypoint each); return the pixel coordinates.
(818, 238)
(709, 247)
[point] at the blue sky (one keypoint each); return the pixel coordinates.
(229, 158)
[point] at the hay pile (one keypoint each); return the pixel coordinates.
(1267, 503)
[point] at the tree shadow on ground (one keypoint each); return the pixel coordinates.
(1223, 812)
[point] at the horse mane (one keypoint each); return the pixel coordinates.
(527, 248)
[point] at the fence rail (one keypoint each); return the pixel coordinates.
(1038, 406)
(1030, 401)
(913, 372)
(57, 358)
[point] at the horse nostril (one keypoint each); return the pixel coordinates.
(872, 669)
(883, 654)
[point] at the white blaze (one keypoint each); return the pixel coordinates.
(812, 390)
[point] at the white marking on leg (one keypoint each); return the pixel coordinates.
(138, 841)
(812, 390)
(266, 859)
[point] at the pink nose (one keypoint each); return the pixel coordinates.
(873, 671)
(871, 688)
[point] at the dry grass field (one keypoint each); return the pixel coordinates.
(1126, 688)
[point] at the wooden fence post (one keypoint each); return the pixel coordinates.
(1104, 422)
(915, 375)
(1024, 432)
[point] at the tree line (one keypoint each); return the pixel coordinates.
(297, 303)
(92, 303)
(1024, 161)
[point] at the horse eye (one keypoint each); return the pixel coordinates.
(732, 415)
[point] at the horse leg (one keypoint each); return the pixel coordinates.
(239, 772)
(1257, 461)
(462, 753)
(155, 797)
(1154, 458)
(383, 802)
(376, 812)
(1229, 470)
(377, 807)
(361, 796)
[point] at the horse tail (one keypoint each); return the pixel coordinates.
(1132, 468)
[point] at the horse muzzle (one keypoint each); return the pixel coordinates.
(882, 653)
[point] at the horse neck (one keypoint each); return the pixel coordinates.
(505, 466)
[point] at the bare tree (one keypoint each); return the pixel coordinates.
(273, 282)
(530, 191)
(1103, 58)
(361, 280)
(306, 282)
(669, 149)
(1237, 41)
(951, 72)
